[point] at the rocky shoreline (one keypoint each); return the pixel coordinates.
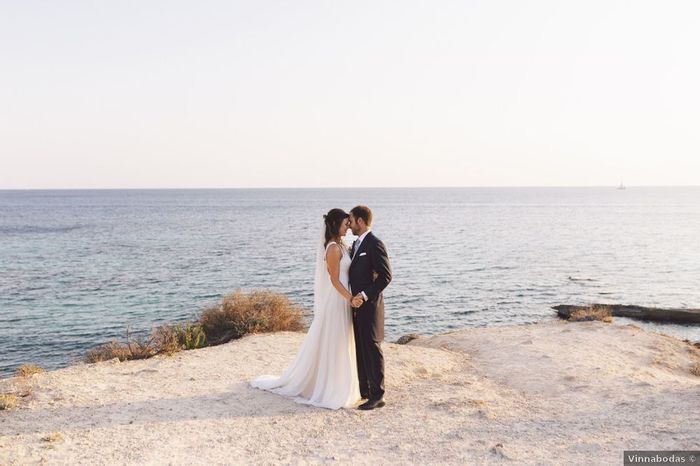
(653, 314)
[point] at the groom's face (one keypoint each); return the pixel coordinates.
(354, 226)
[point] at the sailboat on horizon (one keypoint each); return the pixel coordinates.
(622, 186)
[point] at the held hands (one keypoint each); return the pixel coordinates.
(357, 301)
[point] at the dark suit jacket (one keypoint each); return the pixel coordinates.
(370, 271)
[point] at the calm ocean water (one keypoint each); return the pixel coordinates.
(78, 267)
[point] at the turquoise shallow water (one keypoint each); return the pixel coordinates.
(78, 267)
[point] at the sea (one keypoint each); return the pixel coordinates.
(80, 267)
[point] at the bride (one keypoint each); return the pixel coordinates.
(324, 372)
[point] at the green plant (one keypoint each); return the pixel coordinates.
(190, 335)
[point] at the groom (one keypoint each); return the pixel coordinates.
(370, 273)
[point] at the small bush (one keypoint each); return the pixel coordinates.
(191, 335)
(8, 401)
(601, 313)
(107, 351)
(27, 370)
(257, 312)
(111, 350)
(164, 340)
(695, 370)
(134, 348)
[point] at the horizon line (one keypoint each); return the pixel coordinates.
(339, 187)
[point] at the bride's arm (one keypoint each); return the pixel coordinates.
(333, 256)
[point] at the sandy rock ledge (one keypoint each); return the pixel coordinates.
(555, 393)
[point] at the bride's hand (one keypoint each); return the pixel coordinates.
(357, 301)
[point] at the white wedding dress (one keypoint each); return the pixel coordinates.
(324, 372)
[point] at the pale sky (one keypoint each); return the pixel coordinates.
(168, 94)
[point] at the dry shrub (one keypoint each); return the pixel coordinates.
(256, 312)
(8, 401)
(164, 340)
(237, 315)
(601, 313)
(695, 370)
(27, 370)
(114, 349)
(134, 348)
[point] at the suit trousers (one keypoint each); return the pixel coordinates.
(370, 358)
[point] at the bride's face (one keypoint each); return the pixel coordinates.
(344, 227)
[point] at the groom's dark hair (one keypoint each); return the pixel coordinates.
(363, 212)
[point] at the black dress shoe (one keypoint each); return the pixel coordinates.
(372, 404)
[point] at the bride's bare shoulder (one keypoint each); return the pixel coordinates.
(333, 250)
